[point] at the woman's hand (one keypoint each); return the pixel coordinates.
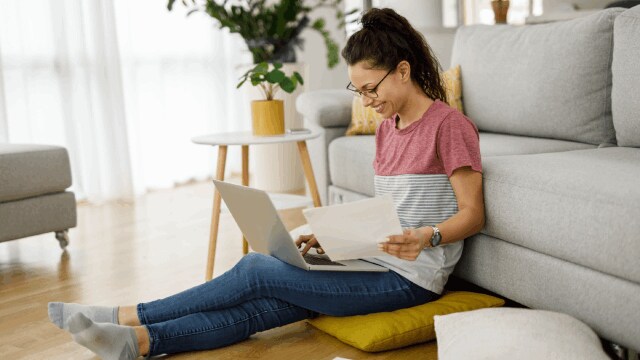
(408, 245)
(310, 241)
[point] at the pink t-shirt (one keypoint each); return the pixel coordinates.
(413, 165)
(442, 141)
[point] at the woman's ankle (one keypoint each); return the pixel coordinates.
(143, 340)
(128, 315)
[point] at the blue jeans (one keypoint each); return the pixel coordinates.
(261, 293)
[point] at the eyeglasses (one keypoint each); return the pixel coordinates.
(371, 93)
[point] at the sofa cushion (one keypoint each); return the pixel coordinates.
(32, 170)
(364, 119)
(550, 81)
(501, 144)
(351, 163)
(452, 81)
(626, 78)
(37, 215)
(581, 206)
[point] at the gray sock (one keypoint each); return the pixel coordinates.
(109, 341)
(60, 313)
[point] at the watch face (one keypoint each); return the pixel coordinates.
(435, 240)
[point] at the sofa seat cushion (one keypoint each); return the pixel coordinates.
(32, 170)
(351, 163)
(37, 215)
(351, 158)
(501, 144)
(581, 206)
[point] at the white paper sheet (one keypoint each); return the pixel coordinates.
(353, 230)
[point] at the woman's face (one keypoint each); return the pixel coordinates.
(388, 90)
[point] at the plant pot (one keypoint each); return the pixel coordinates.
(268, 117)
(500, 9)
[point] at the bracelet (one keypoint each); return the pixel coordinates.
(436, 237)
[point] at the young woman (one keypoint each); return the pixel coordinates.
(427, 158)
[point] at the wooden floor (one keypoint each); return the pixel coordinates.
(123, 254)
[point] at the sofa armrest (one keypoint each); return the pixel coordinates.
(327, 111)
(326, 108)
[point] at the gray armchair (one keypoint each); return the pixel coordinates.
(33, 196)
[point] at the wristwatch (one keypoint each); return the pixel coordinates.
(436, 237)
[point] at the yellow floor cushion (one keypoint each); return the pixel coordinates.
(395, 329)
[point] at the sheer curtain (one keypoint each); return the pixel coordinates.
(123, 85)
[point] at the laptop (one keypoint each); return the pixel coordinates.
(261, 225)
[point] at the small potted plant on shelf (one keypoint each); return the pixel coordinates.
(268, 114)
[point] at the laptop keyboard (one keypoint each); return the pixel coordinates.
(319, 260)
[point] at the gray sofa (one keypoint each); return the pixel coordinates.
(558, 107)
(33, 196)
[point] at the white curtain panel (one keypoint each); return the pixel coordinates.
(123, 85)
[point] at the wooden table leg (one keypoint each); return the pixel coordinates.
(308, 173)
(245, 182)
(215, 215)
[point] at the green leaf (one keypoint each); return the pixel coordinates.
(351, 12)
(241, 83)
(318, 24)
(261, 69)
(287, 85)
(256, 79)
(275, 76)
(277, 65)
(298, 77)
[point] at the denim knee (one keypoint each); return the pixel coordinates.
(252, 260)
(254, 263)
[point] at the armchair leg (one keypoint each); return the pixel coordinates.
(63, 238)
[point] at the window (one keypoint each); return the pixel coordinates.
(457, 12)
(480, 12)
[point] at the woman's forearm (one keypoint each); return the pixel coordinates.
(464, 223)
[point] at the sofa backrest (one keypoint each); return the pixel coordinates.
(549, 80)
(625, 94)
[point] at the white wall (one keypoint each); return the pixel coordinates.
(315, 55)
(560, 5)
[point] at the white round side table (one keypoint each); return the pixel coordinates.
(244, 139)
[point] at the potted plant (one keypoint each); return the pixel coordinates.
(268, 114)
(271, 30)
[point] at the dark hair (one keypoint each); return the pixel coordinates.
(387, 38)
